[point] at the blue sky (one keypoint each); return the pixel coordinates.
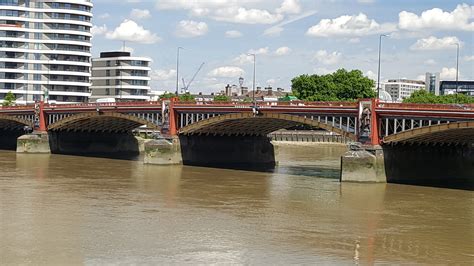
(290, 37)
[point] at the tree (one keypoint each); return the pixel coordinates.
(186, 97)
(9, 99)
(222, 98)
(423, 96)
(341, 85)
(167, 95)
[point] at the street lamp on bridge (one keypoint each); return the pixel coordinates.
(254, 74)
(457, 67)
(380, 53)
(177, 71)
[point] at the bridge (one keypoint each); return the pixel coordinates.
(223, 128)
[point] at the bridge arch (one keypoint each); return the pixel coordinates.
(254, 125)
(101, 122)
(8, 122)
(451, 133)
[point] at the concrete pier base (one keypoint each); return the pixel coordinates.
(163, 152)
(365, 165)
(33, 143)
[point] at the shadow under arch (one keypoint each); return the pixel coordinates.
(240, 140)
(438, 156)
(98, 134)
(11, 128)
(255, 125)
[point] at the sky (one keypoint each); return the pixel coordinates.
(289, 38)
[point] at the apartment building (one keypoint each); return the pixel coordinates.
(45, 50)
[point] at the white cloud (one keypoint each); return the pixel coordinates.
(448, 73)
(421, 77)
(271, 82)
(223, 10)
(433, 43)
(161, 74)
(233, 34)
(371, 75)
(140, 14)
(347, 26)
(323, 71)
(289, 7)
(246, 16)
(278, 28)
(437, 19)
(130, 31)
(326, 58)
(226, 72)
(282, 51)
(190, 29)
(99, 30)
(104, 16)
(469, 58)
(430, 62)
(259, 51)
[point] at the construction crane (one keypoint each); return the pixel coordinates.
(186, 87)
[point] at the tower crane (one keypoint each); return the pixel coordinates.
(186, 86)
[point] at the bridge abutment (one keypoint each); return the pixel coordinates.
(33, 143)
(363, 164)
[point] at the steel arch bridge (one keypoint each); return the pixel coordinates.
(367, 120)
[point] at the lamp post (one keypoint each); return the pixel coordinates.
(378, 75)
(457, 67)
(254, 75)
(177, 71)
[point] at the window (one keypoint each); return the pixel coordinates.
(107, 64)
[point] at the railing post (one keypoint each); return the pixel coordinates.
(375, 139)
(173, 130)
(42, 117)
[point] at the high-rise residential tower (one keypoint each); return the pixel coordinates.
(45, 50)
(121, 76)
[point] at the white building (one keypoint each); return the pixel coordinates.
(400, 89)
(121, 76)
(45, 50)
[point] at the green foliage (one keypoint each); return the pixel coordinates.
(222, 98)
(423, 96)
(186, 97)
(167, 95)
(341, 85)
(9, 99)
(247, 100)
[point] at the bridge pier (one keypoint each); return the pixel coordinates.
(363, 164)
(37, 142)
(163, 152)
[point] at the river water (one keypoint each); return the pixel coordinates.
(57, 209)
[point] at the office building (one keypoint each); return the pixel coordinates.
(120, 76)
(432, 83)
(45, 50)
(400, 89)
(461, 86)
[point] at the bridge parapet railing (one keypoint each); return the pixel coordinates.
(417, 106)
(17, 108)
(269, 104)
(93, 105)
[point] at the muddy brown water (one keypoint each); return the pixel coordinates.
(57, 209)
